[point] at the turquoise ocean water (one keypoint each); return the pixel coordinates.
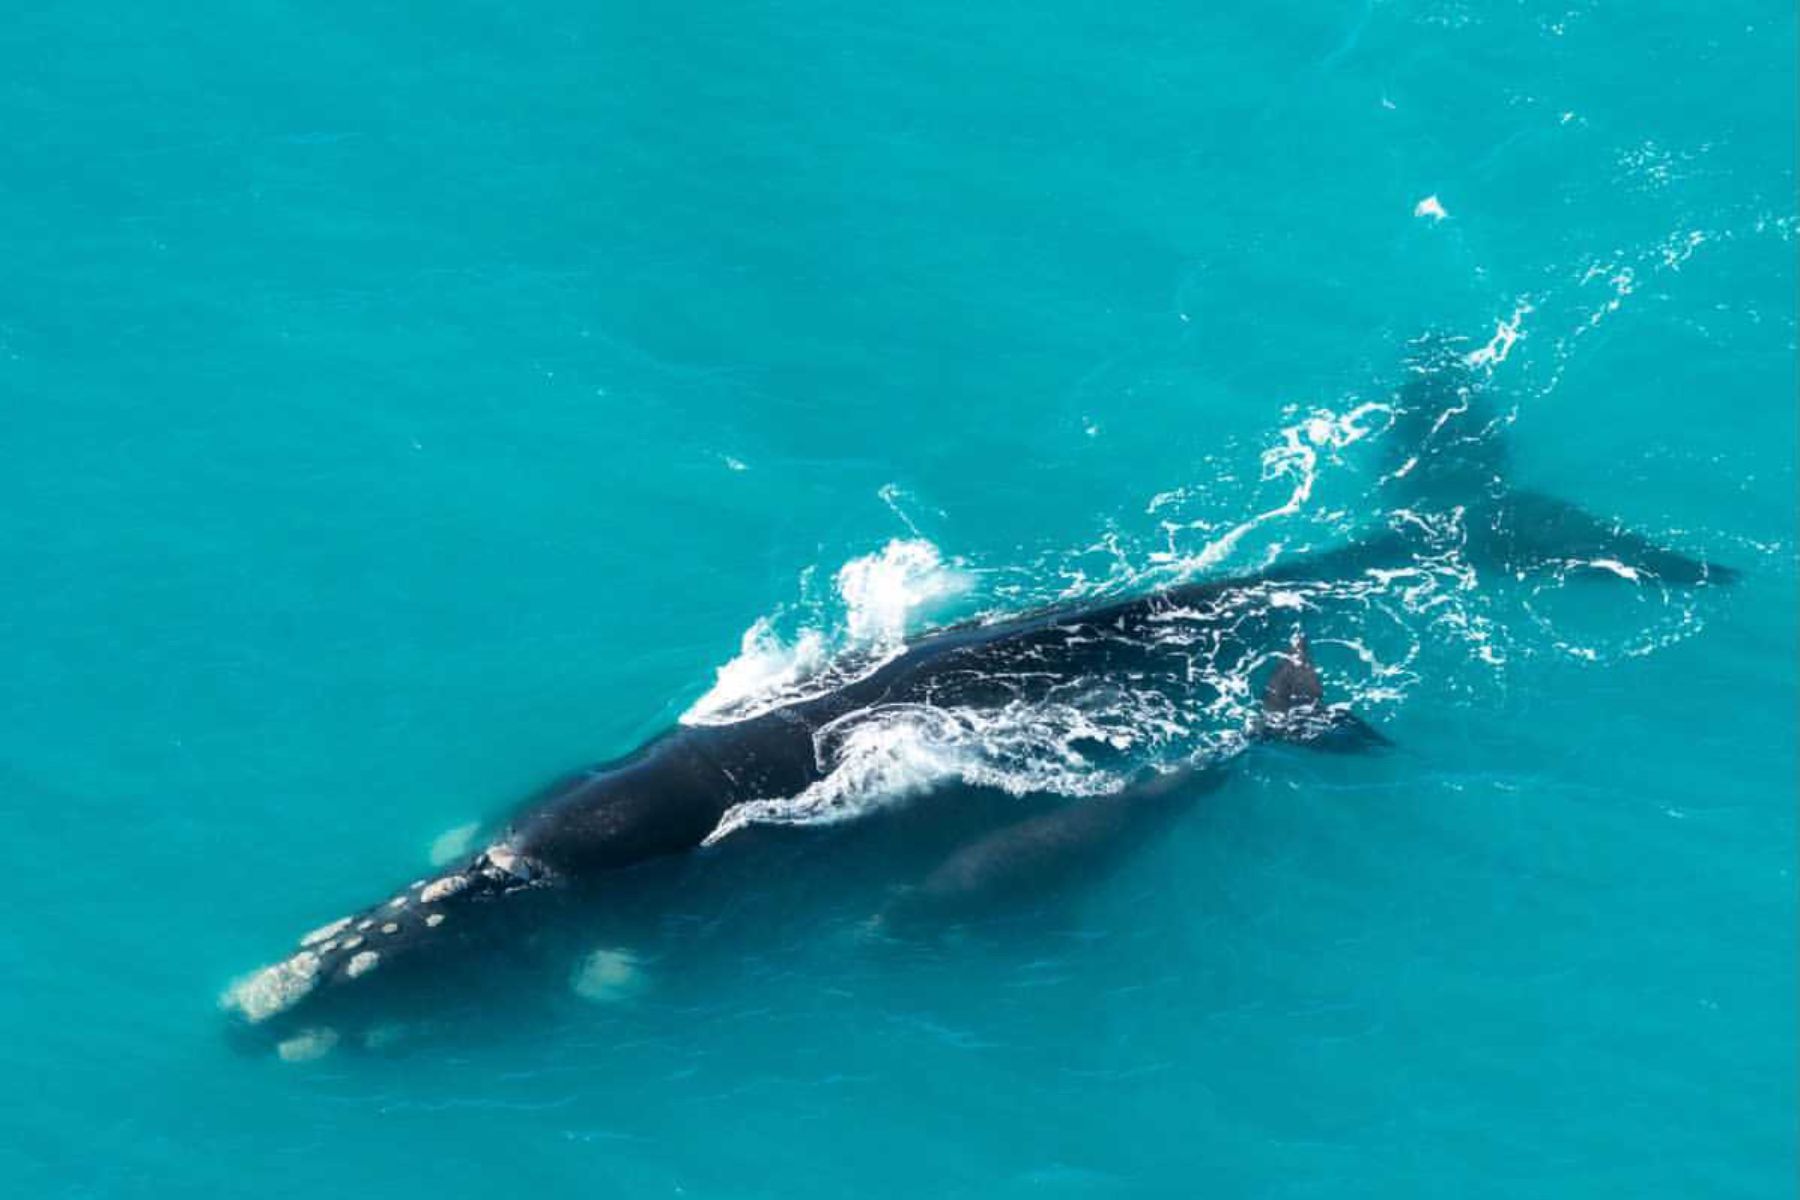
(406, 403)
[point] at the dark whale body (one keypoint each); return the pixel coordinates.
(574, 838)
(576, 841)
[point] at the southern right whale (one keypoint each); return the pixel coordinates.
(1178, 658)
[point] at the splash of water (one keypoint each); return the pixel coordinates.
(881, 597)
(765, 667)
(883, 592)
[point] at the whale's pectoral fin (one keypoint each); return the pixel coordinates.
(1294, 710)
(609, 975)
(1530, 531)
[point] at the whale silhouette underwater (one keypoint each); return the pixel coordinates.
(632, 835)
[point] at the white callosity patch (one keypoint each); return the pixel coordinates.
(361, 964)
(442, 889)
(307, 1045)
(503, 857)
(434, 920)
(325, 931)
(609, 976)
(275, 989)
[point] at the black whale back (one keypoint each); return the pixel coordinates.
(665, 798)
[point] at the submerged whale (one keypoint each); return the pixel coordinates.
(1020, 861)
(1176, 656)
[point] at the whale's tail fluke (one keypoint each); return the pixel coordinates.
(1450, 450)
(1529, 531)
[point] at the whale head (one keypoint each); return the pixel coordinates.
(427, 949)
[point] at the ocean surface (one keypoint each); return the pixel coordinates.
(405, 404)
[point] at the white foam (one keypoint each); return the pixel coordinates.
(881, 592)
(1430, 207)
(1506, 333)
(881, 595)
(1616, 567)
(765, 667)
(887, 754)
(1631, 623)
(880, 756)
(1295, 457)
